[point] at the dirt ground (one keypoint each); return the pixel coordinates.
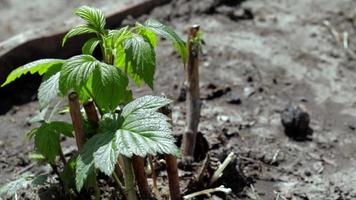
(267, 54)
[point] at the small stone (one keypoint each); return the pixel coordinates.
(233, 98)
(295, 120)
(307, 173)
(249, 91)
(223, 118)
(229, 132)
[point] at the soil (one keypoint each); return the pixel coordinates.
(259, 57)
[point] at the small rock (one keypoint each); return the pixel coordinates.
(182, 96)
(249, 91)
(229, 132)
(223, 118)
(295, 120)
(233, 98)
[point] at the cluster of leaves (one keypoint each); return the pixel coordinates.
(127, 53)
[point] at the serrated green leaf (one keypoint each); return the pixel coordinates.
(105, 157)
(119, 62)
(145, 133)
(149, 35)
(47, 142)
(169, 34)
(141, 55)
(90, 45)
(39, 66)
(78, 30)
(76, 72)
(85, 160)
(47, 138)
(109, 87)
(140, 130)
(12, 187)
(49, 89)
(94, 17)
(118, 36)
(146, 104)
(62, 127)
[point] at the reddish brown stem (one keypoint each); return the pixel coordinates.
(74, 108)
(172, 171)
(91, 113)
(138, 164)
(193, 96)
(172, 167)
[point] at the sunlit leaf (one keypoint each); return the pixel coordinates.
(168, 33)
(39, 66)
(94, 17)
(142, 58)
(90, 45)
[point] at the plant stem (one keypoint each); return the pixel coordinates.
(173, 178)
(117, 179)
(92, 96)
(172, 168)
(61, 155)
(138, 164)
(91, 113)
(74, 109)
(129, 179)
(208, 192)
(193, 97)
(217, 174)
(96, 190)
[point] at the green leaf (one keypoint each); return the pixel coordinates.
(105, 157)
(169, 34)
(145, 131)
(49, 88)
(90, 45)
(76, 72)
(118, 36)
(12, 187)
(39, 66)
(120, 62)
(148, 34)
(62, 127)
(144, 104)
(47, 142)
(94, 17)
(85, 160)
(40, 180)
(78, 30)
(141, 55)
(39, 116)
(140, 130)
(109, 87)
(47, 138)
(68, 174)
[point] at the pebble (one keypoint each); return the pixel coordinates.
(249, 91)
(233, 98)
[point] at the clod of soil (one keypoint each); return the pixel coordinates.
(296, 119)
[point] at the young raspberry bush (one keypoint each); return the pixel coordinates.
(126, 127)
